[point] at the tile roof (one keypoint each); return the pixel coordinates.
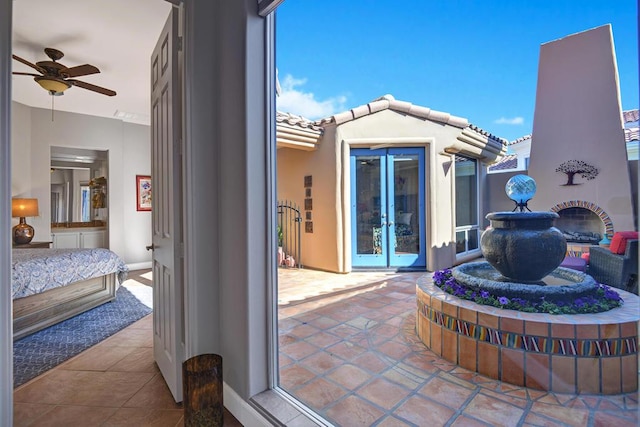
(297, 132)
(631, 115)
(519, 140)
(510, 161)
(297, 121)
(631, 128)
(389, 102)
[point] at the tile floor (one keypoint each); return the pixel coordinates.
(347, 349)
(114, 383)
(353, 356)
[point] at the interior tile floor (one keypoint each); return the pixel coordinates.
(114, 383)
(353, 356)
(347, 349)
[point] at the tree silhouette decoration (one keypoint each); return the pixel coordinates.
(577, 167)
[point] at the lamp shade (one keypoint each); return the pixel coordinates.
(52, 85)
(24, 207)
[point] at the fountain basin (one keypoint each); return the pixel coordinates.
(523, 246)
(560, 284)
(579, 353)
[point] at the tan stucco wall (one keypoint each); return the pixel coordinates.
(578, 116)
(399, 130)
(319, 249)
(329, 247)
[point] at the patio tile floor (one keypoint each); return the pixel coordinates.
(349, 350)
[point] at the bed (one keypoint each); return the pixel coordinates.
(51, 285)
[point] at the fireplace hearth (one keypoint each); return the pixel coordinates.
(580, 225)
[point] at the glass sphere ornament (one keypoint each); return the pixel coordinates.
(520, 189)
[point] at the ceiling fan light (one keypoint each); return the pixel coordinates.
(53, 86)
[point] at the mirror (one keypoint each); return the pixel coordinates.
(78, 186)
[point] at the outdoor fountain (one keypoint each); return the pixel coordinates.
(523, 251)
(595, 352)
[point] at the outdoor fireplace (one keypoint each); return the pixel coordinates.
(582, 222)
(580, 225)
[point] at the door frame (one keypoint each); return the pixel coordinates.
(389, 258)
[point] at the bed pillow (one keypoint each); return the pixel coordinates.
(619, 241)
(404, 218)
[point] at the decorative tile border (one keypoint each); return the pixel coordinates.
(608, 224)
(593, 354)
(531, 343)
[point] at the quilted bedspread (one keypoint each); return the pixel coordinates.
(37, 270)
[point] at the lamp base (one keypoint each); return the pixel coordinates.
(23, 233)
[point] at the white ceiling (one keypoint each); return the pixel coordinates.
(117, 36)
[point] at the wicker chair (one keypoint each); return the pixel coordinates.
(619, 271)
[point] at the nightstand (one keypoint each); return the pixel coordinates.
(33, 245)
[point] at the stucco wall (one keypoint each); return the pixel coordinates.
(129, 154)
(320, 248)
(578, 117)
(495, 198)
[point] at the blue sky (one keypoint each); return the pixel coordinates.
(474, 59)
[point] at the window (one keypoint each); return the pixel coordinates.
(466, 190)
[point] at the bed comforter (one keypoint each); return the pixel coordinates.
(37, 270)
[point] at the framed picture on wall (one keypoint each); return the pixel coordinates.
(143, 192)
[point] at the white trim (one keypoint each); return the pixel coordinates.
(6, 323)
(272, 197)
(243, 411)
(140, 265)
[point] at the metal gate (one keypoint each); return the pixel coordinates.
(289, 223)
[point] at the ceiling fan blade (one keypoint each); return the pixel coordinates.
(25, 62)
(80, 70)
(94, 88)
(17, 73)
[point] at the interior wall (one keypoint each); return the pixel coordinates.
(20, 151)
(129, 154)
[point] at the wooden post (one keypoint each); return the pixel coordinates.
(202, 390)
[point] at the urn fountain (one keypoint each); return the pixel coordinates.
(523, 251)
(591, 352)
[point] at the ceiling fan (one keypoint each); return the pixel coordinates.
(55, 77)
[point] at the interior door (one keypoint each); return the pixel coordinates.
(166, 172)
(387, 209)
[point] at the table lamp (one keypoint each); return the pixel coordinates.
(23, 232)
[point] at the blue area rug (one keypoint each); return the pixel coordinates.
(43, 350)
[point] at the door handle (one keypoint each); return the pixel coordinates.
(390, 223)
(150, 247)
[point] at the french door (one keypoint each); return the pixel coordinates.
(387, 208)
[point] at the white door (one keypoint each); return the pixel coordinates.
(166, 175)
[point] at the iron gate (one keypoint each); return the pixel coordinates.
(289, 223)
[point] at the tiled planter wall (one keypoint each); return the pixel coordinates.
(586, 353)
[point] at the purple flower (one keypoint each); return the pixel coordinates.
(579, 303)
(439, 276)
(503, 300)
(484, 294)
(589, 300)
(519, 301)
(611, 294)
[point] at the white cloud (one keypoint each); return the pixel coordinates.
(506, 121)
(294, 100)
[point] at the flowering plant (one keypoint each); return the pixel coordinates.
(604, 299)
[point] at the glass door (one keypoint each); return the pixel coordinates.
(387, 190)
